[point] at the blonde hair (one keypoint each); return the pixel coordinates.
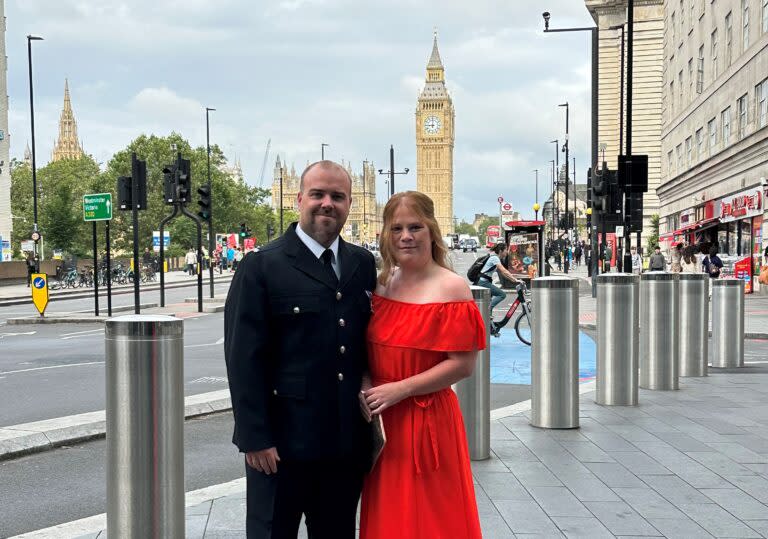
(424, 208)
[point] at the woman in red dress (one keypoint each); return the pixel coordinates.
(423, 337)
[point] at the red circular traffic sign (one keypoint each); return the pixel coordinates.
(506, 206)
(500, 199)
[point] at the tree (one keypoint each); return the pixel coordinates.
(653, 239)
(466, 228)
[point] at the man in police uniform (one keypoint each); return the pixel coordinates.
(294, 342)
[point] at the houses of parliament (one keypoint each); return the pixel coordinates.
(434, 164)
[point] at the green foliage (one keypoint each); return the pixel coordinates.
(465, 228)
(653, 239)
(62, 184)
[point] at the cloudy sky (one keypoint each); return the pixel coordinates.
(303, 72)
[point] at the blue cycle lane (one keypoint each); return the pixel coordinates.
(511, 359)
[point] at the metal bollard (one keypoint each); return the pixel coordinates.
(145, 427)
(618, 338)
(659, 335)
(474, 393)
(555, 353)
(694, 324)
(727, 323)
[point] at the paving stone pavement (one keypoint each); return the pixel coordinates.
(684, 464)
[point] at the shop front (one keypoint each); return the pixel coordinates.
(733, 224)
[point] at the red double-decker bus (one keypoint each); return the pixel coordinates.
(492, 235)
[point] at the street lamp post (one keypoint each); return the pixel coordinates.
(322, 151)
(594, 91)
(211, 239)
(556, 188)
(536, 202)
(30, 39)
(391, 172)
(552, 205)
(565, 149)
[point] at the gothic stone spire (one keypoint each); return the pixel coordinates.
(67, 146)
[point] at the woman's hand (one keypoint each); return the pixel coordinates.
(364, 408)
(385, 396)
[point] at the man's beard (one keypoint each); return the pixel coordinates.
(324, 234)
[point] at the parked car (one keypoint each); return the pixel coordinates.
(469, 245)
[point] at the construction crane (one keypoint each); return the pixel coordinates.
(264, 164)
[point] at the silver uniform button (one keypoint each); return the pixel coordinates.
(338, 296)
(274, 391)
(296, 310)
(342, 323)
(341, 377)
(342, 349)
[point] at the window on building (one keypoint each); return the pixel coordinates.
(728, 39)
(744, 24)
(680, 89)
(765, 15)
(670, 163)
(699, 144)
(682, 19)
(712, 131)
(725, 121)
(700, 71)
(672, 25)
(761, 104)
(713, 52)
(688, 152)
(672, 96)
(693, 11)
(679, 154)
(742, 103)
(690, 79)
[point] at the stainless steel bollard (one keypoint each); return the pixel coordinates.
(474, 393)
(618, 338)
(145, 427)
(555, 353)
(659, 335)
(694, 324)
(727, 323)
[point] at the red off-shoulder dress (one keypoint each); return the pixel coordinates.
(421, 486)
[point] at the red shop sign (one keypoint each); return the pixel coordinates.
(741, 205)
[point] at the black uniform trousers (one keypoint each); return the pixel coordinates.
(325, 491)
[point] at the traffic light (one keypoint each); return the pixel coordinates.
(205, 202)
(637, 181)
(125, 187)
(245, 232)
(600, 190)
(169, 184)
(183, 179)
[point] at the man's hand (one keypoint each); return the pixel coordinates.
(264, 461)
(385, 396)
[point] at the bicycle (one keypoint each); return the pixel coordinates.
(523, 321)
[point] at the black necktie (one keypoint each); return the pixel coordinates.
(327, 257)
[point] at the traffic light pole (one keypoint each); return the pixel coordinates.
(135, 220)
(162, 252)
(211, 239)
(628, 180)
(199, 257)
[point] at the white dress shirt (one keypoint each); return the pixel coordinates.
(318, 249)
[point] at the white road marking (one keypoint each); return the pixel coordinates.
(79, 332)
(220, 341)
(17, 334)
(52, 367)
(79, 336)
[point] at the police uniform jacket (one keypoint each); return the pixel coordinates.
(295, 350)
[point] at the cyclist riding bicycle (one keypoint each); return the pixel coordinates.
(493, 263)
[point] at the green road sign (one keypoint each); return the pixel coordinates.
(97, 207)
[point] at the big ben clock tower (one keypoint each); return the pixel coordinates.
(434, 142)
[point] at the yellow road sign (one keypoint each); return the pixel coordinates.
(40, 291)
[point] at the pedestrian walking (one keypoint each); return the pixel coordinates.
(677, 257)
(713, 265)
(637, 261)
(577, 253)
(424, 335)
(558, 259)
(688, 263)
(657, 262)
(190, 259)
(231, 258)
(607, 257)
(294, 343)
(238, 257)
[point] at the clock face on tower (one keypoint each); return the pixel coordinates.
(432, 125)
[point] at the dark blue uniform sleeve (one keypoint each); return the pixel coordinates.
(246, 352)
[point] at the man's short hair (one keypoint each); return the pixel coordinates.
(328, 165)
